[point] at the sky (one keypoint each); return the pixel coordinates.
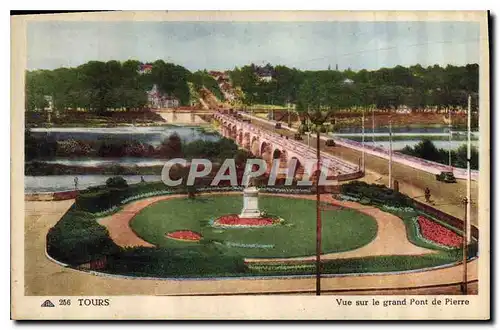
(224, 45)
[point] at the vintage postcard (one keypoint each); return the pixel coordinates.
(250, 165)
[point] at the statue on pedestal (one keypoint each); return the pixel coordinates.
(250, 201)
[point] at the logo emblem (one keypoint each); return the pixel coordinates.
(48, 303)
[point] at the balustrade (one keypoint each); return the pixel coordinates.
(334, 164)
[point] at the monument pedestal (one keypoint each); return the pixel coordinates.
(250, 203)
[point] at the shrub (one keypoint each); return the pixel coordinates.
(377, 194)
(116, 182)
(100, 200)
(77, 238)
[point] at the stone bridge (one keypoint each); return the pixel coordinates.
(270, 146)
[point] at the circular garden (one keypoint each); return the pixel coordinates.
(204, 237)
(293, 236)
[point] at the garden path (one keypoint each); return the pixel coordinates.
(391, 236)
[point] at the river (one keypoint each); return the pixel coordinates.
(104, 162)
(155, 135)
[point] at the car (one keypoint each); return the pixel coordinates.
(330, 143)
(447, 177)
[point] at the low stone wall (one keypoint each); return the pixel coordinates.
(415, 162)
(51, 196)
(350, 176)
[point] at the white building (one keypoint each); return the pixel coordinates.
(156, 100)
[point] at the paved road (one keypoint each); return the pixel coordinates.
(445, 196)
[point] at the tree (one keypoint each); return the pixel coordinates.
(202, 79)
(171, 147)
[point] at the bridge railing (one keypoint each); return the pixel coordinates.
(411, 161)
(333, 162)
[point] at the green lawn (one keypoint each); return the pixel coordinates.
(343, 230)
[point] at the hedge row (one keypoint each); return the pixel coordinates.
(195, 262)
(375, 194)
(372, 264)
(103, 198)
(163, 262)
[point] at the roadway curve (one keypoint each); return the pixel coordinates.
(44, 277)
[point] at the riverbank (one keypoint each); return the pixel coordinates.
(54, 169)
(72, 118)
(381, 118)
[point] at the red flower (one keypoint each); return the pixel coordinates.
(185, 235)
(435, 232)
(235, 220)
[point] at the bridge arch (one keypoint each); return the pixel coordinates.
(233, 132)
(265, 153)
(239, 136)
(255, 146)
(246, 141)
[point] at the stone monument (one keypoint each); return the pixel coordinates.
(250, 202)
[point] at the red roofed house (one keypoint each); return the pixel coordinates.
(145, 68)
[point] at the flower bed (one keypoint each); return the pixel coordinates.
(252, 246)
(343, 197)
(406, 209)
(146, 195)
(437, 233)
(234, 220)
(185, 235)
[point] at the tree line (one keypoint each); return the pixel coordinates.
(427, 150)
(416, 87)
(100, 86)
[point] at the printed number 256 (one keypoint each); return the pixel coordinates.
(64, 302)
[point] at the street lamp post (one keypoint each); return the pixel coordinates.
(373, 125)
(464, 248)
(390, 152)
(288, 108)
(469, 196)
(318, 118)
(318, 220)
(363, 141)
(450, 137)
